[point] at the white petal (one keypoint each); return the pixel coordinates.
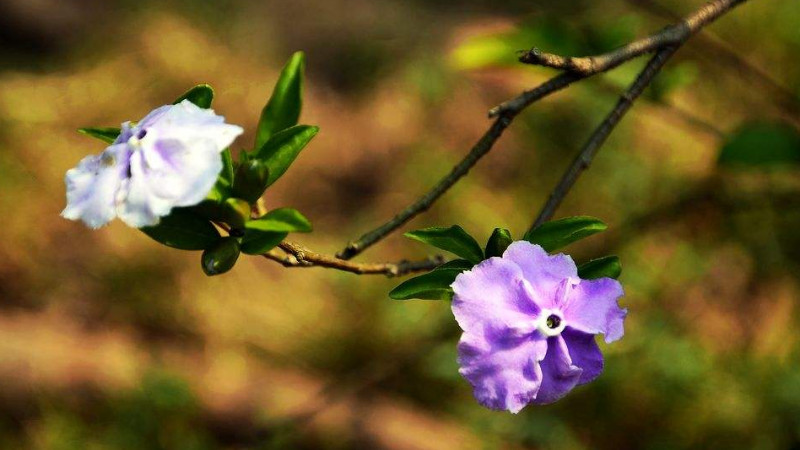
(93, 185)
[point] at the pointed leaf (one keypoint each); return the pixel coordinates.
(281, 150)
(453, 239)
(281, 219)
(434, 285)
(607, 266)
(559, 233)
(227, 166)
(462, 264)
(498, 242)
(283, 108)
(183, 230)
(105, 134)
(201, 95)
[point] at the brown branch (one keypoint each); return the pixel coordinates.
(575, 69)
(674, 36)
(592, 146)
(299, 256)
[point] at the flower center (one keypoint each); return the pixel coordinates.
(550, 323)
(135, 140)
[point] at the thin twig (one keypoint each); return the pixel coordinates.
(576, 69)
(300, 256)
(592, 146)
(584, 67)
(725, 53)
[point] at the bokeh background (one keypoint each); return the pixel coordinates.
(109, 340)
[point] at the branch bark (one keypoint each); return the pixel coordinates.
(575, 69)
(296, 255)
(592, 146)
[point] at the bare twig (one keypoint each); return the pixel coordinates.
(300, 256)
(584, 67)
(575, 69)
(592, 146)
(726, 54)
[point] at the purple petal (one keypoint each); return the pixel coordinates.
(503, 369)
(544, 272)
(592, 307)
(584, 353)
(93, 185)
(559, 374)
(493, 295)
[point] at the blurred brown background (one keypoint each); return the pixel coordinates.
(109, 340)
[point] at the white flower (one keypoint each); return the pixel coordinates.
(168, 159)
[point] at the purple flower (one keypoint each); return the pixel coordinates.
(529, 323)
(168, 159)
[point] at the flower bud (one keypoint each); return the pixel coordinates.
(220, 257)
(498, 242)
(250, 180)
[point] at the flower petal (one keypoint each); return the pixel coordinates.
(585, 353)
(502, 369)
(168, 174)
(559, 374)
(544, 272)
(592, 307)
(493, 294)
(188, 123)
(93, 185)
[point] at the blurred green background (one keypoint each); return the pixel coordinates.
(109, 340)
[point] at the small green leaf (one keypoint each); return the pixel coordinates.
(280, 151)
(201, 95)
(227, 166)
(220, 257)
(762, 145)
(607, 266)
(183, 230)
(283, 108)
(105, 134)
(453, 239)
(462, 264)
(281, 219)
(434, 285)
(257, 242)
(498, 242)
(251, 180)
(559, 233)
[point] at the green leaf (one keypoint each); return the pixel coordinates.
(498, 242)
(453, 239)
(220, 257)
(559, 233)
(760, 145)
(105, 134)
(227, 166)
(201, 95)
(281, 219)
(280, 150)
(283, 108)
(607, 266)
(434, 285)
(183, 230)
(462, 264)
(257, 242)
